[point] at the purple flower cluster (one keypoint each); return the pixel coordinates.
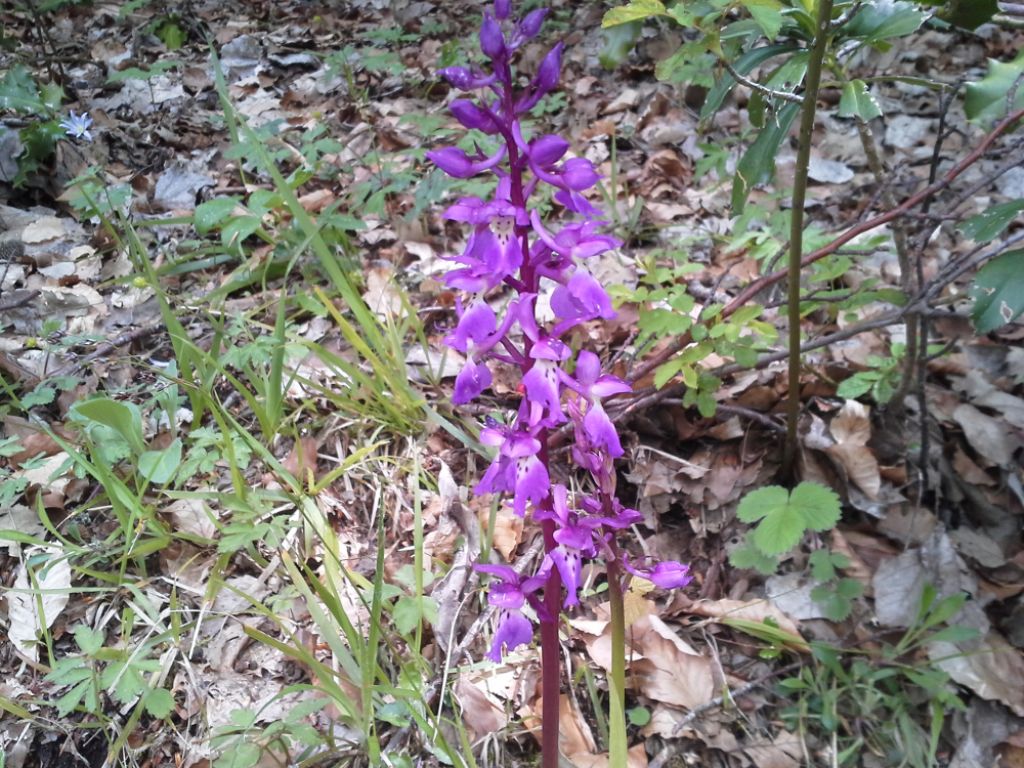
(509, 246)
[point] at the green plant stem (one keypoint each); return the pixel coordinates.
(796, 238)
(618, 745)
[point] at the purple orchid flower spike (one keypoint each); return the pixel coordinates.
(510, 251)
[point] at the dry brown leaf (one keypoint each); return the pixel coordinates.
(986, 435)
(784, 751)
(481, 712)
(970, 471)
(669, 670)
(750, 610)
(851, 429)
(989, 666)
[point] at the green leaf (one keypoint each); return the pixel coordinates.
(857, 101)
(158, 702)
(998, 292)
(822, 568)
(410, 611)
(985, 101)
(818, 505)
(666, 371)
(759, 503)
(159, 467)
(986, 226)
(123, 418)
(238, 229)
(744, 64)
(836, 607)
(635, 10)
(18, 92)
(211, 213)
(618, 42)
(767, 14)
(968, 14)
(880, 21)
(779, 531)
(242, 754)
(749, 556)
(88, 639)
(857, 385)
(638, 716)
(758, 163)
(786, 516)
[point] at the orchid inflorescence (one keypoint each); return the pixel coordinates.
(510, 246)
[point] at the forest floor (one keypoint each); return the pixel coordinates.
(232, 481)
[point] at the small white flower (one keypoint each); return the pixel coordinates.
(77, 126)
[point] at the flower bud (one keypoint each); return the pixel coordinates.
(452, 161)
(472, 115)
(492, 42)
(548, 150)
(550, 69)
(530, 26)
(502, 8)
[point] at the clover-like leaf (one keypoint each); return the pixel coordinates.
(785, 517)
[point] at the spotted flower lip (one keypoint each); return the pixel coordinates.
(77, 126)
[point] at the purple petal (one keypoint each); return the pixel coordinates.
(670, 575)
(532, 483)
(578, 174)
(541, 385)
(506, 595)
(452, 161)
(502, 8)
(548, 149)
(568, 563)
(476, 324)
(588, 369)
(607, 386)
(472, 380)
(601, 432)
(499, 477)
(513, 631)
(504, 572)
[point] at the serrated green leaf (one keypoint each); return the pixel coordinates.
(851, 589)
(857, 101)
(986, 226)
(158, 702)
(833, 605)
(998, 292)
(822, 568)
(748, 556)
(88, 639)
(779, 531)
(761, 502)
(818, 505)
(635, 10)
(985, 100)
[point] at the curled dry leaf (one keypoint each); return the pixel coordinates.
(481, 711)
(851, 429)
